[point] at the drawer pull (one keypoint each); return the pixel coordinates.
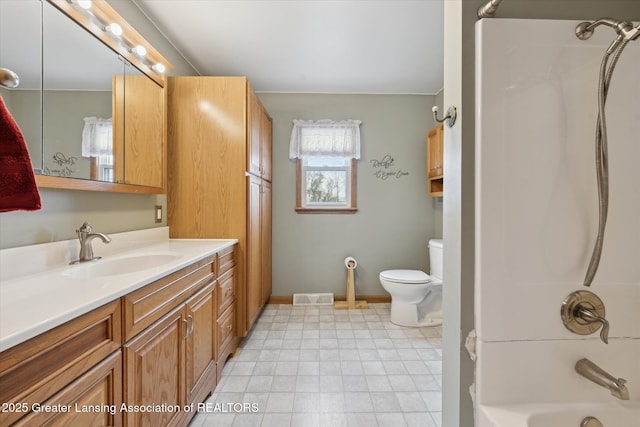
(228, 290)
(186, 329)
(189, 325)
(229, 327)
(193, 324)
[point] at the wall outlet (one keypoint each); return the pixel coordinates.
(158, 213)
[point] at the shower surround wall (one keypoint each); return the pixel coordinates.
(536, 214)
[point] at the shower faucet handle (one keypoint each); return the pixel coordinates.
(590, 315)
(583, 313)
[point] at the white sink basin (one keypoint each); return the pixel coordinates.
(116, 266)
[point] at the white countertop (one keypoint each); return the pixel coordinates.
(37, 293)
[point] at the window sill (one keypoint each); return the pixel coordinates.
(326, 210)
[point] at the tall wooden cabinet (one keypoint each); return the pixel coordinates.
(220, 177)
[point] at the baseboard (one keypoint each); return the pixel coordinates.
(274, 299)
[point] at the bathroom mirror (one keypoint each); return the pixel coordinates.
(77, 100)
(95, 122)
(22, 20)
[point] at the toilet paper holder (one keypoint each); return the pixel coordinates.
(350, 304)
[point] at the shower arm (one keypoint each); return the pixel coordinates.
(489, 9)
(624, 29)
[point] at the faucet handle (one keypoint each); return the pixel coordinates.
(583, 313)
(85, 228)
(590, 315)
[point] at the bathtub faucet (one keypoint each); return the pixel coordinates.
(596, 374)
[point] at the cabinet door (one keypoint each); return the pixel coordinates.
(254, 117)
(100, 387)
(435, 161)
(154, 371)
(435, 152)
(139, 130)
(254, 249)
(200, 351)
(226, 333)
(265, 145)
(265, 235)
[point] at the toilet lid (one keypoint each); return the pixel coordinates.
(405, 276)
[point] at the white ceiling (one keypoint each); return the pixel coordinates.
(313, 46)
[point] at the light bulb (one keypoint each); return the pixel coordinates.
(139, 50)
(114, 29)
(159, 68)
(85, 4)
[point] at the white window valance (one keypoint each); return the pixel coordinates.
(325, 138)
(97, 137)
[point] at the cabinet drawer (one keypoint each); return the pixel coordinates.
(148, 304)
(226, 259)
(99, 391)
(35, 370)
(226, 290)
(226, 330)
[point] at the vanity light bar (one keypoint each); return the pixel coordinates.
(98, 17)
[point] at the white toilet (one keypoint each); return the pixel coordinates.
(416, 297)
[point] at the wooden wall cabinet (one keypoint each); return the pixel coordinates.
(435, 161)
(139, 131)
(219, 162)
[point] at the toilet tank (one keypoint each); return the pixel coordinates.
(435, 256)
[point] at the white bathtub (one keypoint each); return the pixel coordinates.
(612, 414)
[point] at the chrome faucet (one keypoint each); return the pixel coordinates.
(596, 374)
(86, 235)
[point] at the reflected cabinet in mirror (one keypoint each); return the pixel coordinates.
(95, 118)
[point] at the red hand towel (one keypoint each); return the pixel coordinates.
(18, 189)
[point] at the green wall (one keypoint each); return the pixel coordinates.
(395, 218)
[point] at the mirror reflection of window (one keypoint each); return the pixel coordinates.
(97, 145)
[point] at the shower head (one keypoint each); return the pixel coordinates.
(8, 78)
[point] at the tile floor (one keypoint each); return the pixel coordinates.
(316, 366)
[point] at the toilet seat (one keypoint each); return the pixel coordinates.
(410, 277)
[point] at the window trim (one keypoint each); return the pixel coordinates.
(352, 208)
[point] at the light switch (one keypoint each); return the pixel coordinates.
(158, 213)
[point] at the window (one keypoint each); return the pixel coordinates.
(326, 153)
